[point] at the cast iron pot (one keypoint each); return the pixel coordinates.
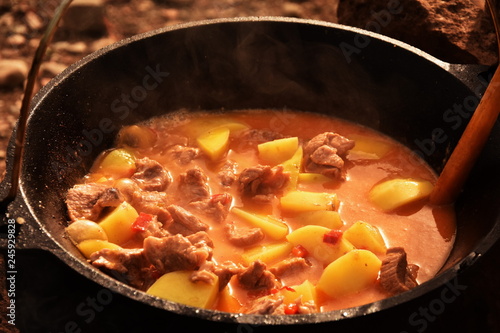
(246, 63)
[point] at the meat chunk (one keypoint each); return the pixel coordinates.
(150, 226)
(127, 265)
(290, 266)
(151, 175)
(225, 271)
(243, 236)
(184, 154)
(325, 154)
(176, 252)
(152, 202)
(227, 173)
(252, 137)
(193, 185)
(262, 183)
(256, 276)
(216, 207)
(183, 222)
(267, 305)
(87, 201)
(396, 276)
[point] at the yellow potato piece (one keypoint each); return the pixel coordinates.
(214, 143)
(311, 238)
(177, 287)
(268, 253)
(272, 227)
(366, 236)
(368, 148)
(82, 230)
(89, 246)
(302, 201)
(117, 163)
(350, 273)
(395, 193)
(118, 223)
(293, 167)
(306, 291)
(198, 126)
(277, 151)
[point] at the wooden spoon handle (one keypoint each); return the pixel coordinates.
(465, 154)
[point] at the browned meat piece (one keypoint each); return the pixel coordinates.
(127, 265)
(256, 136)
(267, 305)
(225, 271)
(243, 236)
(396, 276)
(262, 183)
(154, 203)
(227, 174)
(183, 222)
(324, 154)
(150, 227)
(256, 276)
(129, 189)
(87, 201)
(291, 266)
(183, 155)
(193, 185)
(217, 207)
(176, 252)
(151, 175)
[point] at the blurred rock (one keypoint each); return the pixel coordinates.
(85, 17)
(68, 47)
(292, 9)
(51, 69)
(13, 73)
(459, 31)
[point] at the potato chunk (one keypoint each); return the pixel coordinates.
(271, 226)
(365, 236)
(177, 287)
(293, 167)
(277, 151)
(118, 163)
(267, 253)
(395, 193)
(302, 201)
(214, 142)
(82, 230)
(305, 291)
(89, 246)
(311, 237)
(367, 148)
(350, 273)
(118, 223)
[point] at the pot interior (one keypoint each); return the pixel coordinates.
(252, 63)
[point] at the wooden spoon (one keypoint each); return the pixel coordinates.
(465, 154)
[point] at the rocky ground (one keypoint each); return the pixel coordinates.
(456, 31)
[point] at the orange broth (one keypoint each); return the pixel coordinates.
(425, 232)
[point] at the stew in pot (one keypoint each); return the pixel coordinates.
(261, 212)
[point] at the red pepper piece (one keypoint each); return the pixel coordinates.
(299, 251)
(332, 237)
(291, 309)
(142, 221)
